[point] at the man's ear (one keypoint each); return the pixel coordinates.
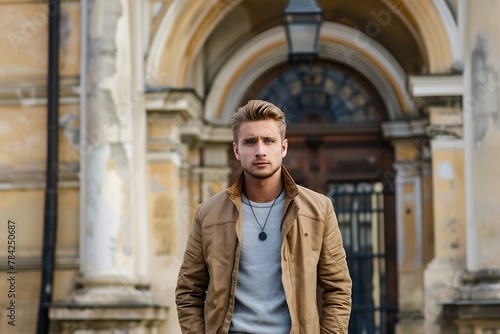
(236, 151)
(284, 148)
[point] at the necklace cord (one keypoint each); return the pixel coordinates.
(268, 213)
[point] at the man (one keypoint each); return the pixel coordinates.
(257, 251)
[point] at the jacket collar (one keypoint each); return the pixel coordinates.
(234, 192)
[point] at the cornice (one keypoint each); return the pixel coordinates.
(426, 86)
(33, 91)
(183, 104)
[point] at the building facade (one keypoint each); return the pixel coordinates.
(398, 121)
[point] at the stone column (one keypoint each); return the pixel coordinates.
(111, 226)
(442, 276)
(481, 104)
(107, 235)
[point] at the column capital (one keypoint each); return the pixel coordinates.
(445, 122)
(173, 103)
(196, 131)
(405, 129)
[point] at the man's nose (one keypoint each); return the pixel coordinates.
(260, 149)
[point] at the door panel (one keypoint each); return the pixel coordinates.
(360, 213)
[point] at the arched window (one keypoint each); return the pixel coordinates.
(321, 93)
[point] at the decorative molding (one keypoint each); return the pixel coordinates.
(446, 131)
(428, 21)
(405, 129)
(33, 91)
(180, 35)
(159, 36)
(422, 86)
(489, 276)
(32, 263)
(164, 102)
(338, 43)
(233, 80)
(453, 32)
(32, 185)
(165, 156)
(470, 312)
(195, 131)
(220, 134)
(447, 143)
(372, 60)
(36, 180)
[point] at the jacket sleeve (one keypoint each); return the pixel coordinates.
(334, 278)
(192, 283)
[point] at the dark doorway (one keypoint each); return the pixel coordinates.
(354, 169)
(336, 147)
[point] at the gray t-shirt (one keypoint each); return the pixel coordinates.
(260, 304)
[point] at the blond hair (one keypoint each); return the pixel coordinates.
(258, 110)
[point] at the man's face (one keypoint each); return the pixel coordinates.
(260, 148)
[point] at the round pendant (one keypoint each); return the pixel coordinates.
(262, 236)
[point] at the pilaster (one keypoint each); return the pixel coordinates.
(413, 206)
(410, 242)
(442, 276)
(169, 165)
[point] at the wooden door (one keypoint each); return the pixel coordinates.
(336, 147)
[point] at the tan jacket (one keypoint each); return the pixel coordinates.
(311, 253)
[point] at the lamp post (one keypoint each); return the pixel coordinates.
(302, 20)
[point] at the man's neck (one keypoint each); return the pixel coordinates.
(263, 190)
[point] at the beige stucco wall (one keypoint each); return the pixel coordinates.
(163, 236)
(24, 40)
(449, 202)
(482, 121)
(23, 138)
(25, 207)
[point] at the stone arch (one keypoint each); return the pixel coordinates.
(338, 43)
(186, 25)
(179, 37)
(439, 33)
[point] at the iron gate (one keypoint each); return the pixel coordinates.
(360, 212)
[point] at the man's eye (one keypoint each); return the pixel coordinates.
(269, 140)
(249, 141)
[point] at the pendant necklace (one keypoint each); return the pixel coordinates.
(262, 234)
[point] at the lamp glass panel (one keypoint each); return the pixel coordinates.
(302, 37)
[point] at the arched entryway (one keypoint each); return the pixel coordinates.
(334, 118)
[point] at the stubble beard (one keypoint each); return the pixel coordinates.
(263, 174)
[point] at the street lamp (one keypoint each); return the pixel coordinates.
(302, 20)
